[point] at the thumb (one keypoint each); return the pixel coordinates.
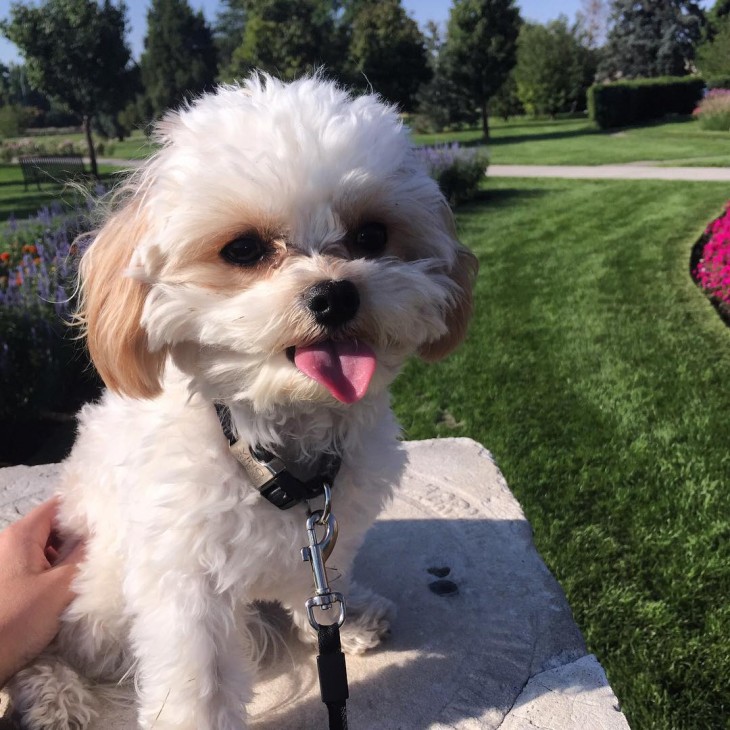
(60, 577)
(74, 556)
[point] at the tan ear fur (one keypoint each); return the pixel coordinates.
(464, 273)
(111, 309)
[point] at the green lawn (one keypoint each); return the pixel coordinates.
(15, 200)
(135, 147)
(598, 375)
(578, 142)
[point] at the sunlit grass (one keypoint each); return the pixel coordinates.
(598, 375)
(524, 141)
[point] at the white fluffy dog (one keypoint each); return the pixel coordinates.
(283, 254)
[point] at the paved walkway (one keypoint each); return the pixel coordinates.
(613, 172)
(629, 171)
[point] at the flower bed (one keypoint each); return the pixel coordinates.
(458, 170)
(710, 263)
(39, 354)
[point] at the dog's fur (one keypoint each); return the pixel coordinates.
(178, 545)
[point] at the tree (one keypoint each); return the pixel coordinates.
(481, 49)
(649, 38)
(553, 68)
(592, 22)
(439, 102)
(713, 56)
(179, 58)
(76, 53)
(230, 25)
(387, 48)
(719, 11)
(286, 37)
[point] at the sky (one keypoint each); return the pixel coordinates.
(422, 10)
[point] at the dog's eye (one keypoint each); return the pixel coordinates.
(244, 250)
(371, 238)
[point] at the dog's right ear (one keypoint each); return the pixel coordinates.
(111, 309)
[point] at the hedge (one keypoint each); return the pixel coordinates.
(718, 82)
(623, 103)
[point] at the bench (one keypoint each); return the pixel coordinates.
(51, 168)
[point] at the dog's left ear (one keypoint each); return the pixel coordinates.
(463, 272)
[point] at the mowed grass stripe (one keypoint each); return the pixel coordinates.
(679, 142)
(599, 377)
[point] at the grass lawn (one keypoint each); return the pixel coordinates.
(135, 147)
(15, 200)
(578, 142)
(598, 376)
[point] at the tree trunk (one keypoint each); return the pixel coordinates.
(90, 144)
(485, 120)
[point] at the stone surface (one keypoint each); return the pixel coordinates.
(484, 637)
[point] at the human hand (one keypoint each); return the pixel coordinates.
(35, 587)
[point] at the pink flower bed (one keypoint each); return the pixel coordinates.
(712, 272)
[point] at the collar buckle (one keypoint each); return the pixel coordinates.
(271, 477)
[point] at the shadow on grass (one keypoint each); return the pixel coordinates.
(16, 201)
(500, 198)
(517, 138)
(25, 205)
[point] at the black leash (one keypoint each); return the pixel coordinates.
(331, 661)
(332, 675)
(284, 486)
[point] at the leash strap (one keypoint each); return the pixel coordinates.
(332, 675)
(330, 661)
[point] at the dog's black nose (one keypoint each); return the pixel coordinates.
(333, 302)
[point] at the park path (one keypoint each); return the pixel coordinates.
(629, 171)
(613, 172)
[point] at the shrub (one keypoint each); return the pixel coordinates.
(623, 103)
(712, 268)
(14, 148)
(13, 120)
(457, 170)
(713, 112)
(38, 353)
(718, 82)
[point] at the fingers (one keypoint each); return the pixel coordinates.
(38, 523)
(60, 577)
(74, 556)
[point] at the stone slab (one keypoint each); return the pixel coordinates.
(495, 648)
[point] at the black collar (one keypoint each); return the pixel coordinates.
(282, 484)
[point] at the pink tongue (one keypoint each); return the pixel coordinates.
(344, 368)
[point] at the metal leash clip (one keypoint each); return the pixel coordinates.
(317, 554)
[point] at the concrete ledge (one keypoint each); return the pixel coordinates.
(484, 636)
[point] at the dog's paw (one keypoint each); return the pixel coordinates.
(368, 621)
(49, 695)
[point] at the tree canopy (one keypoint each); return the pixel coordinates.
(75, 52)
(481, 49)
(179, 58)
(713, 56)
(553, 68)
(388, 48)
(651, 38)
(285, 37)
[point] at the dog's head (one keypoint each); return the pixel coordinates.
(285, 245)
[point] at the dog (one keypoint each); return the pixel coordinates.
(276, 261)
